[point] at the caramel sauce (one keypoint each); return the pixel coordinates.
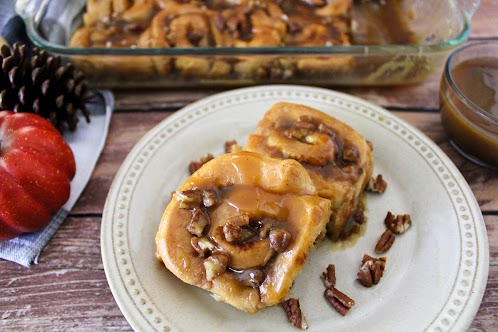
(472, 133)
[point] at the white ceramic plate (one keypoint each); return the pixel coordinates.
(436, 272)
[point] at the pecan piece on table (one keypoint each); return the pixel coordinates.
(329, 276)
(198, 221)
(195, 165)
(294, 313)
(340, 301)
(215, 265)
(385, 242)
(398, 224)
(371, 270)
(377, 184)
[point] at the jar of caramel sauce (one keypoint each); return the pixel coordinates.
(469, 102)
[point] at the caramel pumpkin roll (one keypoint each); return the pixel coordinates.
(337, 158)
(242, 227)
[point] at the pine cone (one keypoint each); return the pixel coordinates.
(41, 84)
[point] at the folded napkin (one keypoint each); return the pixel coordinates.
(87, 143)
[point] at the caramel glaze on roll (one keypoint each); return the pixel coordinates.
(337, 158)
(242, 227)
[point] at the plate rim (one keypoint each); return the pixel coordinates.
(466, 315)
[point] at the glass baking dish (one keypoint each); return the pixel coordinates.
(435, 28)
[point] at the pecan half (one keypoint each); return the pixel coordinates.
(371, 271)
(195, 165)
(340, 301)
(329, 276)
(279, 239)
(198, 221)
(234, 229)
(385, 242)
(264, 230)
(294, 313)
(398, 224)
(324, 129)
(215, 265)
(232, 146)
(377, 184)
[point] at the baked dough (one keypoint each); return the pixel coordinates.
(337, 158)
(242, 227)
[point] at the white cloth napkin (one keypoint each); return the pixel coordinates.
(87, 143)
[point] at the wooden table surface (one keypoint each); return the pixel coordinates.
(68, 290)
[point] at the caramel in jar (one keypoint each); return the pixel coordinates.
(469, 108)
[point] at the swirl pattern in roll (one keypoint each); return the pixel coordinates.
(190, 25)
(337, 158)
(242, 227)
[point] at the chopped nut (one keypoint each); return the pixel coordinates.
(202, 245)
(232, 147)
(340, 301)
(195, 165)
(377, 184)
(215, 265)
(385, 242)
(199, 221)
(251, 278)
(234, 229)
(264, 230)
(294, 313)
(329, 276)
(189, 199)
(398, 224)
(210, 197)
(371, 271)
(279, 239)
(350, 154)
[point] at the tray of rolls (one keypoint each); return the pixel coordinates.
(171, 43)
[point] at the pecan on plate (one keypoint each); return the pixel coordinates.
(398, 224)
(377, 184)
(195, 165)
(294, 313)
(371, 270)
(385, 242)
(340, 301)
(329, 276)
